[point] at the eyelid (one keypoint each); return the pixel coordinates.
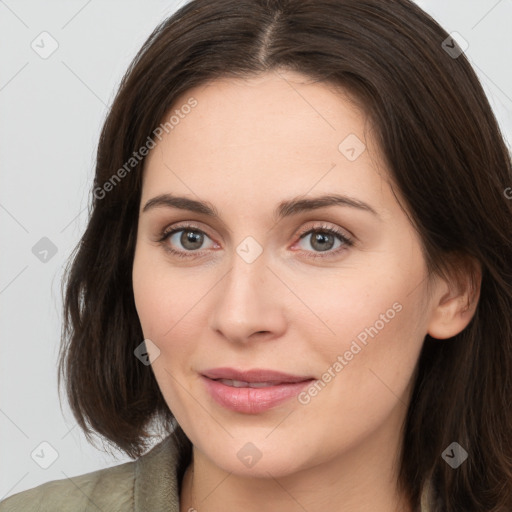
(346, 240)
(326, 226)
(167, 232)
(305, 229)
(182, 225)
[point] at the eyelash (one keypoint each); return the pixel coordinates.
(347, 242)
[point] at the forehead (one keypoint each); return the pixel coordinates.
(279, 131)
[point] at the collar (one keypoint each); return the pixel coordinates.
(158, 475)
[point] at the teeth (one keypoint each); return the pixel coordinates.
(242, 384)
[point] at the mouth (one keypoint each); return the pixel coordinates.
(242, 384)
(252, 391)
(254, 375)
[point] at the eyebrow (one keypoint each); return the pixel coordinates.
(284, 209)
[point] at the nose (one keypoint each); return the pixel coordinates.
(249, 303)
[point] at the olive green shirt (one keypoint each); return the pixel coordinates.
(150, 483)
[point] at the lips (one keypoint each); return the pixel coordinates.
(252, 391)
(253, 375)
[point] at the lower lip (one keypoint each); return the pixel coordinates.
(252, 400)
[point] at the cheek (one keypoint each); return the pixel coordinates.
(155, 289)
(377, 324)
(168, 302)
(367, 382)
(374, 358)
(164, 320)
(354, 307)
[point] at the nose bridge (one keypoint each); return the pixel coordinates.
(244, 288)
(248, 269)
(247, 301)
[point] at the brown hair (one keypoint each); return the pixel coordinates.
(446, 156)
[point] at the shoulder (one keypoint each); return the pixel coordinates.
(105, 489)
(147, 483)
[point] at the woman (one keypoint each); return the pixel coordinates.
(297, 267)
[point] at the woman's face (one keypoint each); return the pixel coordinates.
(343, 314)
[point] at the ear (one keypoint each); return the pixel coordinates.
(456, 298)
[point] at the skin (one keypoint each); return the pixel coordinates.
(247, 146)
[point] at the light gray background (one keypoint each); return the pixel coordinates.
(51, 114)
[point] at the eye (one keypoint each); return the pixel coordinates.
(190, 237)
(324, 238)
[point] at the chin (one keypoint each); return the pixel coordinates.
(256, 459)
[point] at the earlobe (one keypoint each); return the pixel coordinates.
(456, 307)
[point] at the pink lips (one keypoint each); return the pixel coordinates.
(252, 391)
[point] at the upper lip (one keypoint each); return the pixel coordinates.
(253, 375)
